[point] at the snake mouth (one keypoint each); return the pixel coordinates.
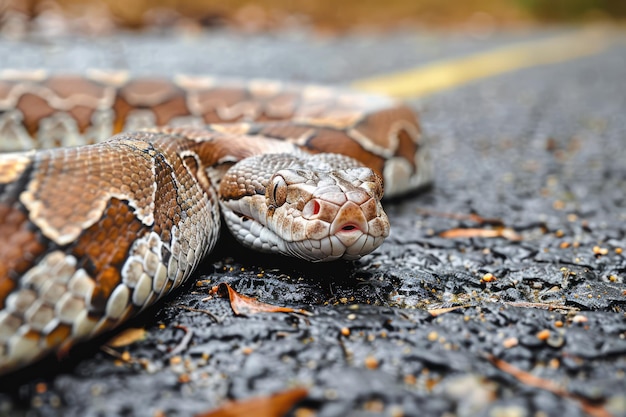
(349, 228)
(350, 223)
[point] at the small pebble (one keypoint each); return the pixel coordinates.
(543, 334)
(510, 342)
(371, 362)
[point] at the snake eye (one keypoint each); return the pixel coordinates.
(278, 191)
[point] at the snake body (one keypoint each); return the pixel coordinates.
(92, 234)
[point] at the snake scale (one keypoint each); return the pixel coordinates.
(95, 228)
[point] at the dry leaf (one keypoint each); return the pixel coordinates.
(439, 311)
(545, 306)
(127, 337)
(457, 216)
(531, 380)
(504, 232)
(276, 405)
(244, 305)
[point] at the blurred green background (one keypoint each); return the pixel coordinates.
(331, 14)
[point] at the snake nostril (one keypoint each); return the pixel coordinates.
(312, 209)
(316, 207)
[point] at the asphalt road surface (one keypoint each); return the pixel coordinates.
(528, 323)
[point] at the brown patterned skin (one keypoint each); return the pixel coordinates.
(90, 235)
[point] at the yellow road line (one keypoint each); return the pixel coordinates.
(445, 74)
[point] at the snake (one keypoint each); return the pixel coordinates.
(113, 188)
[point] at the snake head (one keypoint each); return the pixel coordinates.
(318, 214)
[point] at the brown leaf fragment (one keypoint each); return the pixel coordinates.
(243, 305)
(276, 405)
(121, 357)
(594, 410)
(458, 216)
(127, 337)
(439, 311)
(457, 233)
(545, 306)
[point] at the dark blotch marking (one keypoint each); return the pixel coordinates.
(103, 248)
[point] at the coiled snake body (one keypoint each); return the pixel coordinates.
(92, 234)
